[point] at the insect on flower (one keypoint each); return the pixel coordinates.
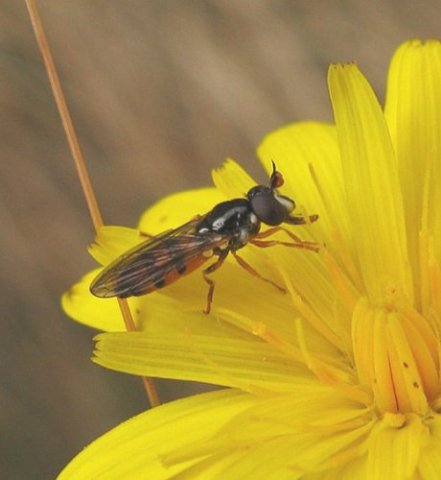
(229, 226)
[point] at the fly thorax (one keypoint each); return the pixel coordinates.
(226, 217)
(254, 225)
(240, 239)
(248, 227)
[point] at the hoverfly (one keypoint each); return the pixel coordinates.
(229, 226)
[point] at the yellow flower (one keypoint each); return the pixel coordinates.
(340, 378)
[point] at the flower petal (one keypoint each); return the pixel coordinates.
(249, 298)
(170, 212)
(429, 464)
(94, 312)
(413, 112)
(112, 241)
(394, 448)
(135, 448)
(281, 437)
(248, 364)
(155, 312)
(307, 155)
(177, 209)
(178, 308)
(232, 180)
(372, 189)
(352, 470)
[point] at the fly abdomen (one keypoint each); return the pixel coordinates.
(160, 283)
(181, 268)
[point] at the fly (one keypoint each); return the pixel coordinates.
(228, 227)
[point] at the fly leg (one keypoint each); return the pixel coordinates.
(222, 255)
(298, 242)
(254, 272)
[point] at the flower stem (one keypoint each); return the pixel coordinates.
(79, 161)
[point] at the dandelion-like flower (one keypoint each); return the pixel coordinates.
(340, 377)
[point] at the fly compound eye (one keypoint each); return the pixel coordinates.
(288, 203)
(268, 209)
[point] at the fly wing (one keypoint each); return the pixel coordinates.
(158, 261)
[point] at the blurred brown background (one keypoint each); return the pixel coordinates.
(160, 92)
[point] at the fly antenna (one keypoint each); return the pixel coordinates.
(274, 167)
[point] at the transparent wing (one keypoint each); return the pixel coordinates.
(157, 262)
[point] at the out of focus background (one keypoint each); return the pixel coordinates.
(161, 91)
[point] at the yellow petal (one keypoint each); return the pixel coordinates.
(394, 449)
(249, 297)
(177, 209)
(155, 312)
(297, 413)
(307, 155)
(113, 241)
(179, 307)
(372, 189)
(94, 312)
(134, 449)
(429, 464)
(170, 212)
(352, 470)
(232, 180)
(250, 365)
(283, 436)
(413, 113)
(268, 460)
(209, 468)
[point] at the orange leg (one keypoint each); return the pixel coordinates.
(222, 256)
(301, 220)
(251, 270)
(298, 242)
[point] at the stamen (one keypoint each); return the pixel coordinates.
(396, 354)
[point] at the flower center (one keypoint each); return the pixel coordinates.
(396, 355)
